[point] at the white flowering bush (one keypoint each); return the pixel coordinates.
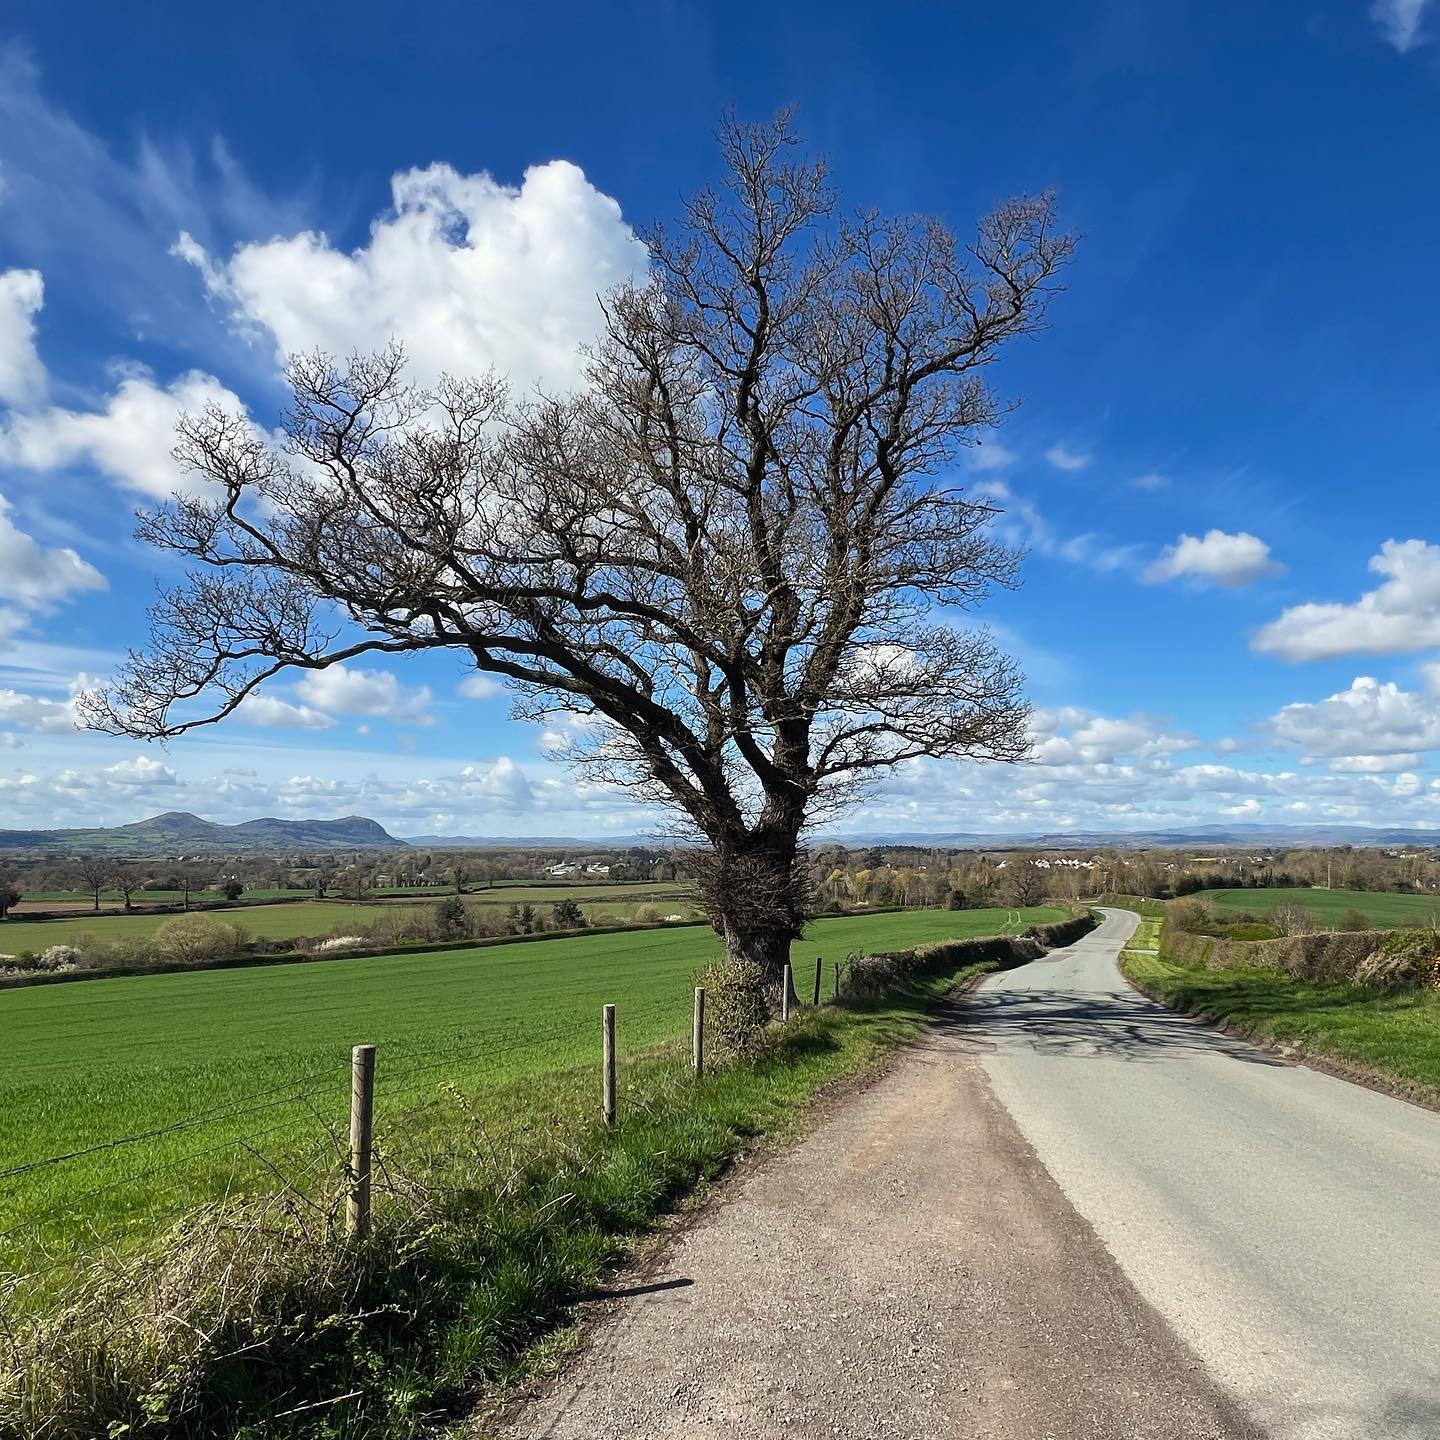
(60, 957)
(341, 942)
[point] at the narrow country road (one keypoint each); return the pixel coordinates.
(1284, 1223)
(1065, 1214)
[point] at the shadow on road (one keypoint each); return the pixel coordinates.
(1084, 1025)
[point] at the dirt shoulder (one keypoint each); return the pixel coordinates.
(908, 1269)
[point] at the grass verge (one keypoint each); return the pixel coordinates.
(494, 1212)
(1391, 1039)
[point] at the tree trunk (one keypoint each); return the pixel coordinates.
(753, 895)
(767, 948)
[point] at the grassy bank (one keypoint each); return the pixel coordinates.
(497, 1207)
(1395, 1037)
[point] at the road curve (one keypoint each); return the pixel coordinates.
(1285, 1223)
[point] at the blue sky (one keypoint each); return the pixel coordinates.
(1224, 468)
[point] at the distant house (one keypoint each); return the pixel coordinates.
(561, 870)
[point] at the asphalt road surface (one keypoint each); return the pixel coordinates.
(1066, 1214)
(1284, 1223)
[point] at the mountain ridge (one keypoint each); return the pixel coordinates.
(179, 829)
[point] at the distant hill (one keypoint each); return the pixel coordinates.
(1213, 837)
(180, 833)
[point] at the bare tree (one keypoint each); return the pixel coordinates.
(721, 563)
(125, 880)
(93, 873)
(1025, 881)
(11, 892)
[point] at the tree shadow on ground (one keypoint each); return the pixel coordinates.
(1085, 1025)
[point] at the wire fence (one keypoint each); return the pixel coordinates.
(320, 1134)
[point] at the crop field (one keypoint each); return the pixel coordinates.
(1383, 911)
(502, 891)
(230, 1077)
(271, 922)
(323, 917)
(43, 899)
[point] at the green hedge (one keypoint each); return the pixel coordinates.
(1326, 957)
(298, 957)
(869, 977)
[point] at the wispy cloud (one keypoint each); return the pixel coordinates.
(1021, 523)
(988, 456)
(106, 221)
(1400, 22)
(1063, 458)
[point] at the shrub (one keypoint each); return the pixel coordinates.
(1250, 930)
(60, 957)
(956, 900)
(450, 917)
(1353, 919)
(1406, 960)
(1191, 917)
(1294, 920)
(737, 1003)
(194, 940)
(340, 942)
(567, 914)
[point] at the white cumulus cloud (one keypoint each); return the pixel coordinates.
(1217, 557)
(1363, 724)
(270, 711)
(34, 576)
(340, 690)
(1401, 614)
(22, 376)
(466, 272)
(129, 440)
(35, 712)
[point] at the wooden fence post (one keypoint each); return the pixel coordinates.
(819, 964)
(786, 984)
(697, 1032)
(607, 1065)
(362, 1134)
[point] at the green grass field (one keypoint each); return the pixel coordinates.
(149, 897)
(1384, 911)
(502, 892)
(260, 1056)
(270, 922)
(322, 917)
(1397, 1035)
